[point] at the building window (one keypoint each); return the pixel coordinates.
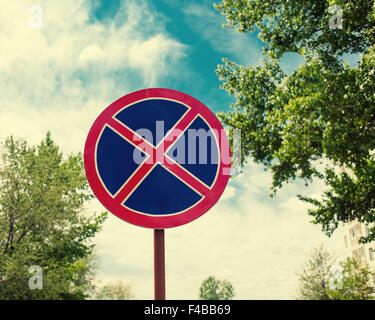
(371, 253)
(358, 229)
(362, 255)
(352, 232)
(359, 254)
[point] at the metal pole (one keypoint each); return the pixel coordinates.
(159, 264)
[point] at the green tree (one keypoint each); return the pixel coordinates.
(304, 26)
(356, 282)
(114, 291)
(42, 222)
(215, 289)
(314, 279)
(308, 124)
(322, 279)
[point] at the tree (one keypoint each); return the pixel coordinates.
(322, 279)
(309, 124)
(308, 28)
(355, 283)
(114, 291)
(314, 278)
(215, 289)
(42, 222)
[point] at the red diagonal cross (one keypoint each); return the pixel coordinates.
(156, 155)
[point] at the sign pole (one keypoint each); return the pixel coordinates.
(159, 264)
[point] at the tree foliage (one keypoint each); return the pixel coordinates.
(304, 26)
(114, 291)
(318, 119)
(356, 282)
(320, 281)
(215, 289)
(42, 223)
(314, 279)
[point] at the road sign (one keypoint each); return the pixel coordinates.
(157, 158)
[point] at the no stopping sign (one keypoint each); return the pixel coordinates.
(157, 158)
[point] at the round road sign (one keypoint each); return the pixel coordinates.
(157, 158)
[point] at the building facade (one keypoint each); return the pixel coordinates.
(365, 253)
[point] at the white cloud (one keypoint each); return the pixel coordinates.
(91, 53)
(208, 22)
(60, 77)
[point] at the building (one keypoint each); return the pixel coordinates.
(353, 231)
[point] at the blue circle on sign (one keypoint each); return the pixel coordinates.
(160, 192)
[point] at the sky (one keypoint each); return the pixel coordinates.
(58, 75)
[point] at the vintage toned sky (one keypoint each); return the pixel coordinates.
(88, 54)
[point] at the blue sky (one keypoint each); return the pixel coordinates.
(88, 54)
(197, 25)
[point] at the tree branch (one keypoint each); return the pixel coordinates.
(24, 233)
(10, 233)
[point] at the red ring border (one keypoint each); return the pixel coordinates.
(155, 222)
